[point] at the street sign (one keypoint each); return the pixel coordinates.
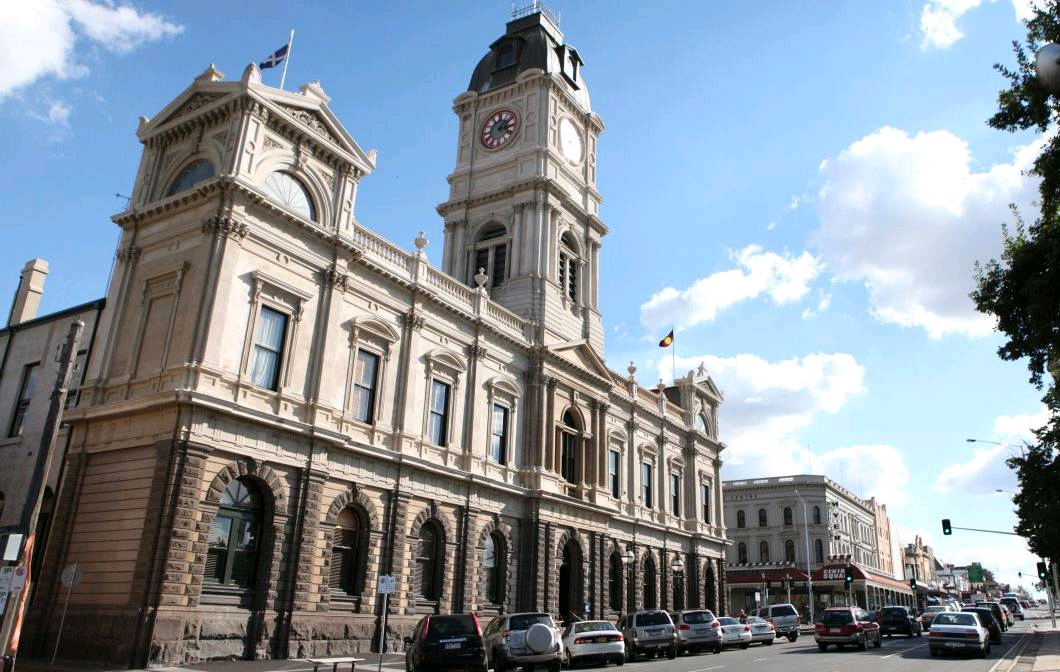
(10, 544)
(6, 574)
(18, 580)
(387, 584)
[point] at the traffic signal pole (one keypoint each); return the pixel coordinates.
(1056, 592)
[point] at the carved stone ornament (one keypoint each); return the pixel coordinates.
(337, 279)
(197, 101)
(312, 121)
(551, 383)
(270, 143)
(224, 227)
(414, 320)
(476, 351)
(128, 254)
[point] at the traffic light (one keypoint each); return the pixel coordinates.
(912, 583)
(946, 529)
(848, 576)
(1043, 571)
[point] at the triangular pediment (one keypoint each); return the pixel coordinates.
(584, 356)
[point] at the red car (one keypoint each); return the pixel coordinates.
(846, 625)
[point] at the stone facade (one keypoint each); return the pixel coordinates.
(281, 406)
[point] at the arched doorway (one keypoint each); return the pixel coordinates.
(710, 590)
(570, 582)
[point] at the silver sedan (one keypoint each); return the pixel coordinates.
(761, 630)
(734, 633)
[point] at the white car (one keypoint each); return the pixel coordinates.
(761, 630)
(734, 633)
(958, 631)
(595, 641)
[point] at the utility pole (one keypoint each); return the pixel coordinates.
(12, 623)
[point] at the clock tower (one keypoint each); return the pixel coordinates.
(522, 216)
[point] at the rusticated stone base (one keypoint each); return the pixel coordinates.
(98, 635)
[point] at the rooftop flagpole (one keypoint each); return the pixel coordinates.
(287, 59)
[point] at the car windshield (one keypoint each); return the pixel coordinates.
(444, 627)
(894, 612)
(784, 610)
(935, 610)
(524, 621)
(653, 618)
(593, 626)
(691, 617)
(728, 620)
(831, 618)
(955, 618)
(755, 619)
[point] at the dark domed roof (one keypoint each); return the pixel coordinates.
(532, 41)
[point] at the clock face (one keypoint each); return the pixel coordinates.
(499, 129)
(570, 141)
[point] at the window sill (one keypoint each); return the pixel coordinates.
(217, 594)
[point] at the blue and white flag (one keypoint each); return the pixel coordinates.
(275, 58)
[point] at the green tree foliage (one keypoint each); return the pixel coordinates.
(1022, 289)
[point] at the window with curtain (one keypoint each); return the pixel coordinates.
(613, 474)
(568, 465)
(232, 547)
(438, 417)
(365, 373)
(763, 521)
(763, 551)
(268, 348)
(675, 494)
(789, 551)
(818, 550)
(25, 396)
(645, 478)
(348, 553)
(614, 581)
(428, 559)
(499, 434)
(787, 516)
(741, 553)
(704, 495)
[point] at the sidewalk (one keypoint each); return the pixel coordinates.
(392, 662)
(1040, 653)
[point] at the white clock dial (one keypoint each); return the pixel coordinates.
(570, 140)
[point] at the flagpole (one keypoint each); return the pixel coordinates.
(673, 358)
(287, 59)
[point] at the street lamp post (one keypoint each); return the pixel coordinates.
(809, 573)
(787, 586)
(677, 565)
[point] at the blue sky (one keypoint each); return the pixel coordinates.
(801, 192)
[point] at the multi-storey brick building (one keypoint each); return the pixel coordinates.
(281, 406)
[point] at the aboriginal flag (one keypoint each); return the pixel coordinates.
(667, 340)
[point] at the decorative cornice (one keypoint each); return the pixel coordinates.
(128, 254)
(337, 279)
(413, 320)
(224, 227)
(476, 351)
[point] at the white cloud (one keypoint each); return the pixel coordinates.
(985, 472)
(784, 278)
(938, 19)
(875, 470)
(823, 303)
(45, 38)
(908, 217)
(59, 114)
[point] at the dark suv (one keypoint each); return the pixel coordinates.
(449, 642)
(899, 621)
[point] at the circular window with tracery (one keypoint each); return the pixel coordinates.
(288, 191)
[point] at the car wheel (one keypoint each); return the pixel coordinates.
(717, 648)
(864, 643)
(620, 660)
(769, 642)
(986, 651)
(878, 643)
(792, 638)
(672, 653)
(821, 646)
(567, 660)
(744, 645)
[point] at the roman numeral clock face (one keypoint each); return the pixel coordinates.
(499, 128)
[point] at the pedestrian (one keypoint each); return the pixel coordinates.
(743, 616)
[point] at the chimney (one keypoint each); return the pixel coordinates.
(30, 289)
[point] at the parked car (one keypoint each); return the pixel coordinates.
(999, 613)
(762, 631)
(648, 633)
(846, 625)
(734, 633)
(899, 620)
(1014, 606)
(958, 631)
(785, 619)
(697, 630)
(530, 638)
(986, 617)
(450, 641)
(593, 641)
(929, 614)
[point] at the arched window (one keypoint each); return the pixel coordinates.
(741, 519)
(741, 553)
(818, 550)
(816, 515)
(787, 516)
(649, 583)
(762, 519)
(569, 447)
(349, 550)
(232, 549)
(763, 551)
(568, 266)
(789, 551)
(195, 172)
(288, 191)
(494, 560)
(490, 255)
(428, 562)
(614, 582)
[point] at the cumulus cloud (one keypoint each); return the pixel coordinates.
(784, 278)
(938, 19)
(908, 217)
(45, 38)
(984, 472)
(872, 470)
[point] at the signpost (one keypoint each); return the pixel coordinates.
(71, 576)
(387, 585)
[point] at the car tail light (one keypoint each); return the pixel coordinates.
(798, 620)
(747, 628)
(715, 624)
(683, 626)
(478, 628)
(820, 627)
(584, 640)
(771, 628)
(615, 638)
(426, 624)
